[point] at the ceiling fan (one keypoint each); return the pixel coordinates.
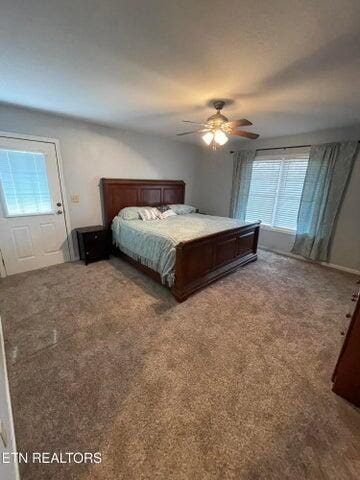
(217, 127)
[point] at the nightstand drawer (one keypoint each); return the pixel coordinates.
(94, 238)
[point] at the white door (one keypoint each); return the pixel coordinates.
(32, 224)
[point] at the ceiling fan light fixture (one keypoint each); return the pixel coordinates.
(220, 137)
(208, 137)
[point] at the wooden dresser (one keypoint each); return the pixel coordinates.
(346, 376)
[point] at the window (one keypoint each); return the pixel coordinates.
(275, 189)
(24, 183)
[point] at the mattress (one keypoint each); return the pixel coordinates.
(153, 243)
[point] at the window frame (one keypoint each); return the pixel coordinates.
(283, 156)
(288, 231)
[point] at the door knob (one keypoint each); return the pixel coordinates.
(59, 212)
(58, 204)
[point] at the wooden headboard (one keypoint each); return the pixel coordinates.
(118, 193)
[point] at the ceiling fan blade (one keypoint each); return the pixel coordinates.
(193, 131)
(242, 133)
(196, 123)
(239, 123)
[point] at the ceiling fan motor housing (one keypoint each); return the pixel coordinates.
(217, 120)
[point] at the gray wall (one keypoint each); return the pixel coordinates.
(213, 189)
(90, 152)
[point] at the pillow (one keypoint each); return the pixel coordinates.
(168, 213)
(133, 213)
(130, 213)
(150, 214)
(181, 209)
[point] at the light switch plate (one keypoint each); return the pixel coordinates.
(75, 198)
(3, 434)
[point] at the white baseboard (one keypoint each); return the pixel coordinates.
(303, 259)
(339, 267)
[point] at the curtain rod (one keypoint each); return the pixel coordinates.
(280, 148)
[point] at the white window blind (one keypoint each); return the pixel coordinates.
(276, 186)
(24, 183)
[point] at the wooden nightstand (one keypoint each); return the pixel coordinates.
(93, 244)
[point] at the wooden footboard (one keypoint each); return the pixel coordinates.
(204, 260)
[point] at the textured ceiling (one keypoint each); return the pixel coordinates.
(289, 66)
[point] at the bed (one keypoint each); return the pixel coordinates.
(185, 253)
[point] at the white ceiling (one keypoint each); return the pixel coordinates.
(290, 66)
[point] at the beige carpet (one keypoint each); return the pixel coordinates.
(234, 383)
